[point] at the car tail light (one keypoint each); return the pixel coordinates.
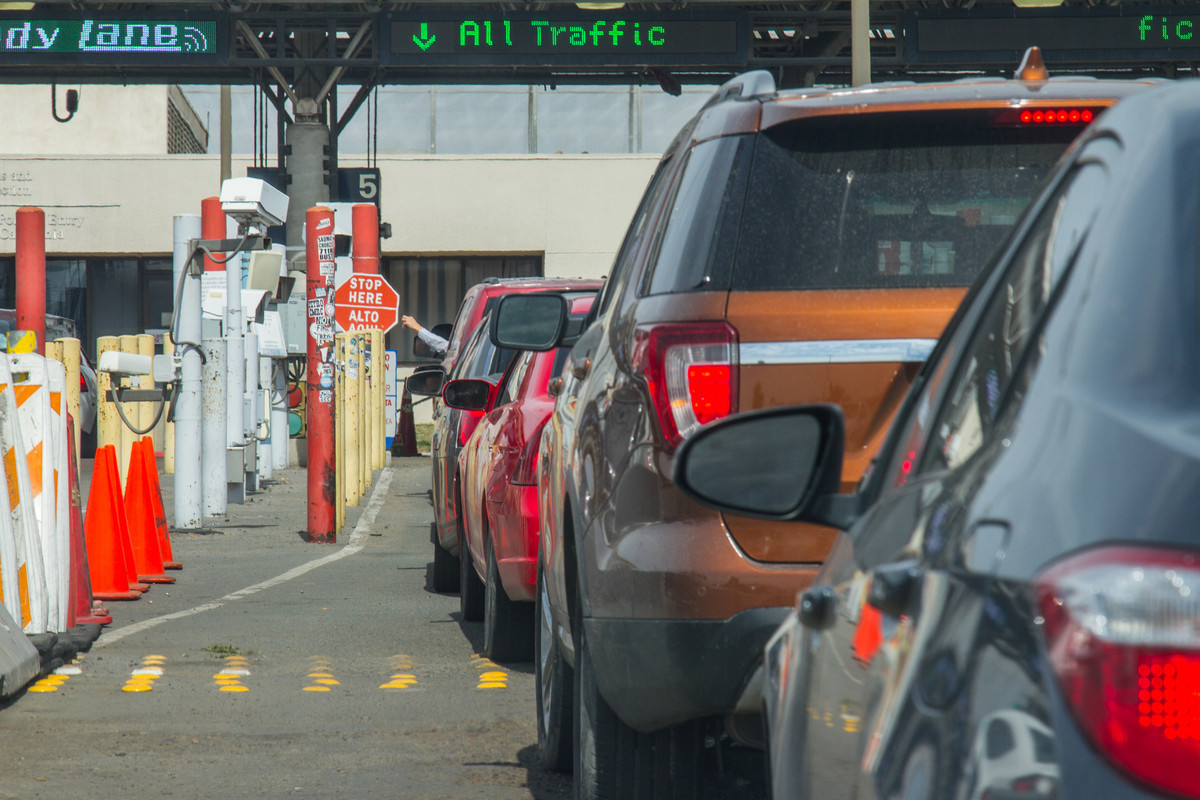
(1122, 634)
(525, 471)
(468, 421)
(691, 372)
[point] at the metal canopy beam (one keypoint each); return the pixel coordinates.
(342, 42)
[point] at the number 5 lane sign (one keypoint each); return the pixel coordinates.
(365, 301)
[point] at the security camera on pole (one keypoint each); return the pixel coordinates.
(255, 205)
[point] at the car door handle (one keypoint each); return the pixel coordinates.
(816, 607)
(581, 368)
(893, 587)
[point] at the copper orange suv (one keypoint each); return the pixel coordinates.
(798, 246)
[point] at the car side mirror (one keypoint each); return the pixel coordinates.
(426, 381)
(469, 394)
(779, 464)
(529, 321)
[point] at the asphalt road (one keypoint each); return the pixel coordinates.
(277, 668)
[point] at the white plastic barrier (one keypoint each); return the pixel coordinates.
(23, 571)
(19, 661)
(38, 423)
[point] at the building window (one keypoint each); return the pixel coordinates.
(431, 289)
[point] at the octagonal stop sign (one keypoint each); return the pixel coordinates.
(365, 301)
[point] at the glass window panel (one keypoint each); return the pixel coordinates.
(576, 120)
(464, 114)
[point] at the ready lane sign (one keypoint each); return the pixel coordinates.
(566, 38)
(365, 301)
(112, 40)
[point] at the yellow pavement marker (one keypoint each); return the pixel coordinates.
(493, 677)
(401, 678)
(142, 677)
(229, 678)
(320, 675)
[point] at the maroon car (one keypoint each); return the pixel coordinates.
(498, 502)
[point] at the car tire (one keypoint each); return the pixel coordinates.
(470, 588)
(607, 763)
(677, 752)
(445, 568)
(507, 624)
(554, 682)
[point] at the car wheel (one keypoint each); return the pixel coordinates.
(607, 763)
(470, 588)
(677, 761)
(507, 624)
(445, 567)
(555, 685)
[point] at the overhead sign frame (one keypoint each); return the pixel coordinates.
(116, 39)
(1092, 34)
(563, 37)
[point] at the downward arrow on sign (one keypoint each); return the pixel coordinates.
(426, 39)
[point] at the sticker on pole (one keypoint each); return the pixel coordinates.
(366, 301)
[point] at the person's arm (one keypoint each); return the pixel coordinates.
(435, 342)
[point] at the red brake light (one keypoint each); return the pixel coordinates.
(1120, 630)
(691, 372)
(467, 423)
(1046, 116)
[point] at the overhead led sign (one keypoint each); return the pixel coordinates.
(1102, 35)
(558, 38)
(106, 39)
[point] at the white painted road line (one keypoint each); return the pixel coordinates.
(357, 536)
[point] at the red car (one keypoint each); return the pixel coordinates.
(469, 357)
(499, 502)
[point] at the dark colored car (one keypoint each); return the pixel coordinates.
(1011, 609)
(499, 503)
(452, 428)
(793, 246)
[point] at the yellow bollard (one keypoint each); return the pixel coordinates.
(364, 429)
(147, 409)
(352, 428)
(133, 415)
(108, 424)
(339, 428)
(168, 428)
(378, 377)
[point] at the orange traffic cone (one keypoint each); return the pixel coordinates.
(122, 518)
(139, 512)
(82, 608)
(102, 533)
(405, 443)
(160, 513)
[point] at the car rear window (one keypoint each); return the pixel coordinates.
(887, 200)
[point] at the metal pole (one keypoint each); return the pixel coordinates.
(235, 381)
(215, 434)
(250, 412)
(212, 226)
(266, 457)
(319, 382)
(364, 242)
(860, 42)
(280, 434)
(31, 273)
(187, 334)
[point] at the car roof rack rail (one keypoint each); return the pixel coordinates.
(756, 83)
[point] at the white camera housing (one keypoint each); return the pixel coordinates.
(253, 202)
(124, 365)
